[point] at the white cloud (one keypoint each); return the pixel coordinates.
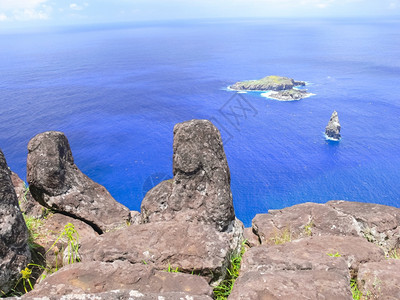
(75, 6)
(3, 17)
(24, 10)
(10, 5)
(30, 14)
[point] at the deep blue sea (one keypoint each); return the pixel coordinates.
(117, 91)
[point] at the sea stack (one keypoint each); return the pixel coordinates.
(332, 131)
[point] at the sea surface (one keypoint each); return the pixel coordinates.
(117, 91)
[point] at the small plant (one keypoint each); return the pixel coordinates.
(171, 270)
(33, 224)
(337, 254)
(308, 228)
(71, 235)
(282, 237)
(26, 278)
(223, 290)
(394, 254)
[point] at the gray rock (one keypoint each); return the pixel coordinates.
(101, 278)
(380, 280)
(57, 183)
(14, 249)
(332, 130)
(190, 247)
(200, 190)
(269, 83)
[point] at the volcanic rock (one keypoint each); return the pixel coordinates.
(379, 224)
(309, 268)
(380, 280)
(57, 183)
(190, 247)
(105, 280)
(200, 190)
(332, 130)
(14, 249)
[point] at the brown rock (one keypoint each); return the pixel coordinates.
(50, 231)
(14, 250)
(56, 182)
(299, 285)
(380, 280)
(379, 224)
(99, 277)
(317, 267)
(190, 247)
(200, 190)
(302, 220)
(250, 237)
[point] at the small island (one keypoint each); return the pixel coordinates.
(279, 88)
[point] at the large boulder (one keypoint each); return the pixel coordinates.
(309, 268)
(14, 249)
(190, 247)
(57, 183)
(101, 278)
(200, 190)
(332, 130)
(376, 223)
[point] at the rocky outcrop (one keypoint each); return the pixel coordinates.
(269, 83)
(311, 251)
(190, 247)
(380, 280)
(376, 223)
(106, 280)
(57, 183)
(332, 130)
(14, 249)
(200, 190)
(289, 95)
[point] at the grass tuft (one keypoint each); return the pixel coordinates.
(224, 289)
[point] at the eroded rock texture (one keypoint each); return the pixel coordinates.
(107, 280)
(57, 183)
(200, 190)
(14, 250)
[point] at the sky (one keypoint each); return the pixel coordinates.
(26, 13)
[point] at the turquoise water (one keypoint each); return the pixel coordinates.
(117, 92)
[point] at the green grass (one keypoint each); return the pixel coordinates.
(282, 237)
(334, 254)
(33, 224)
(394, 254)
(223, 290)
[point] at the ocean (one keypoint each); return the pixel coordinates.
(117, 91)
